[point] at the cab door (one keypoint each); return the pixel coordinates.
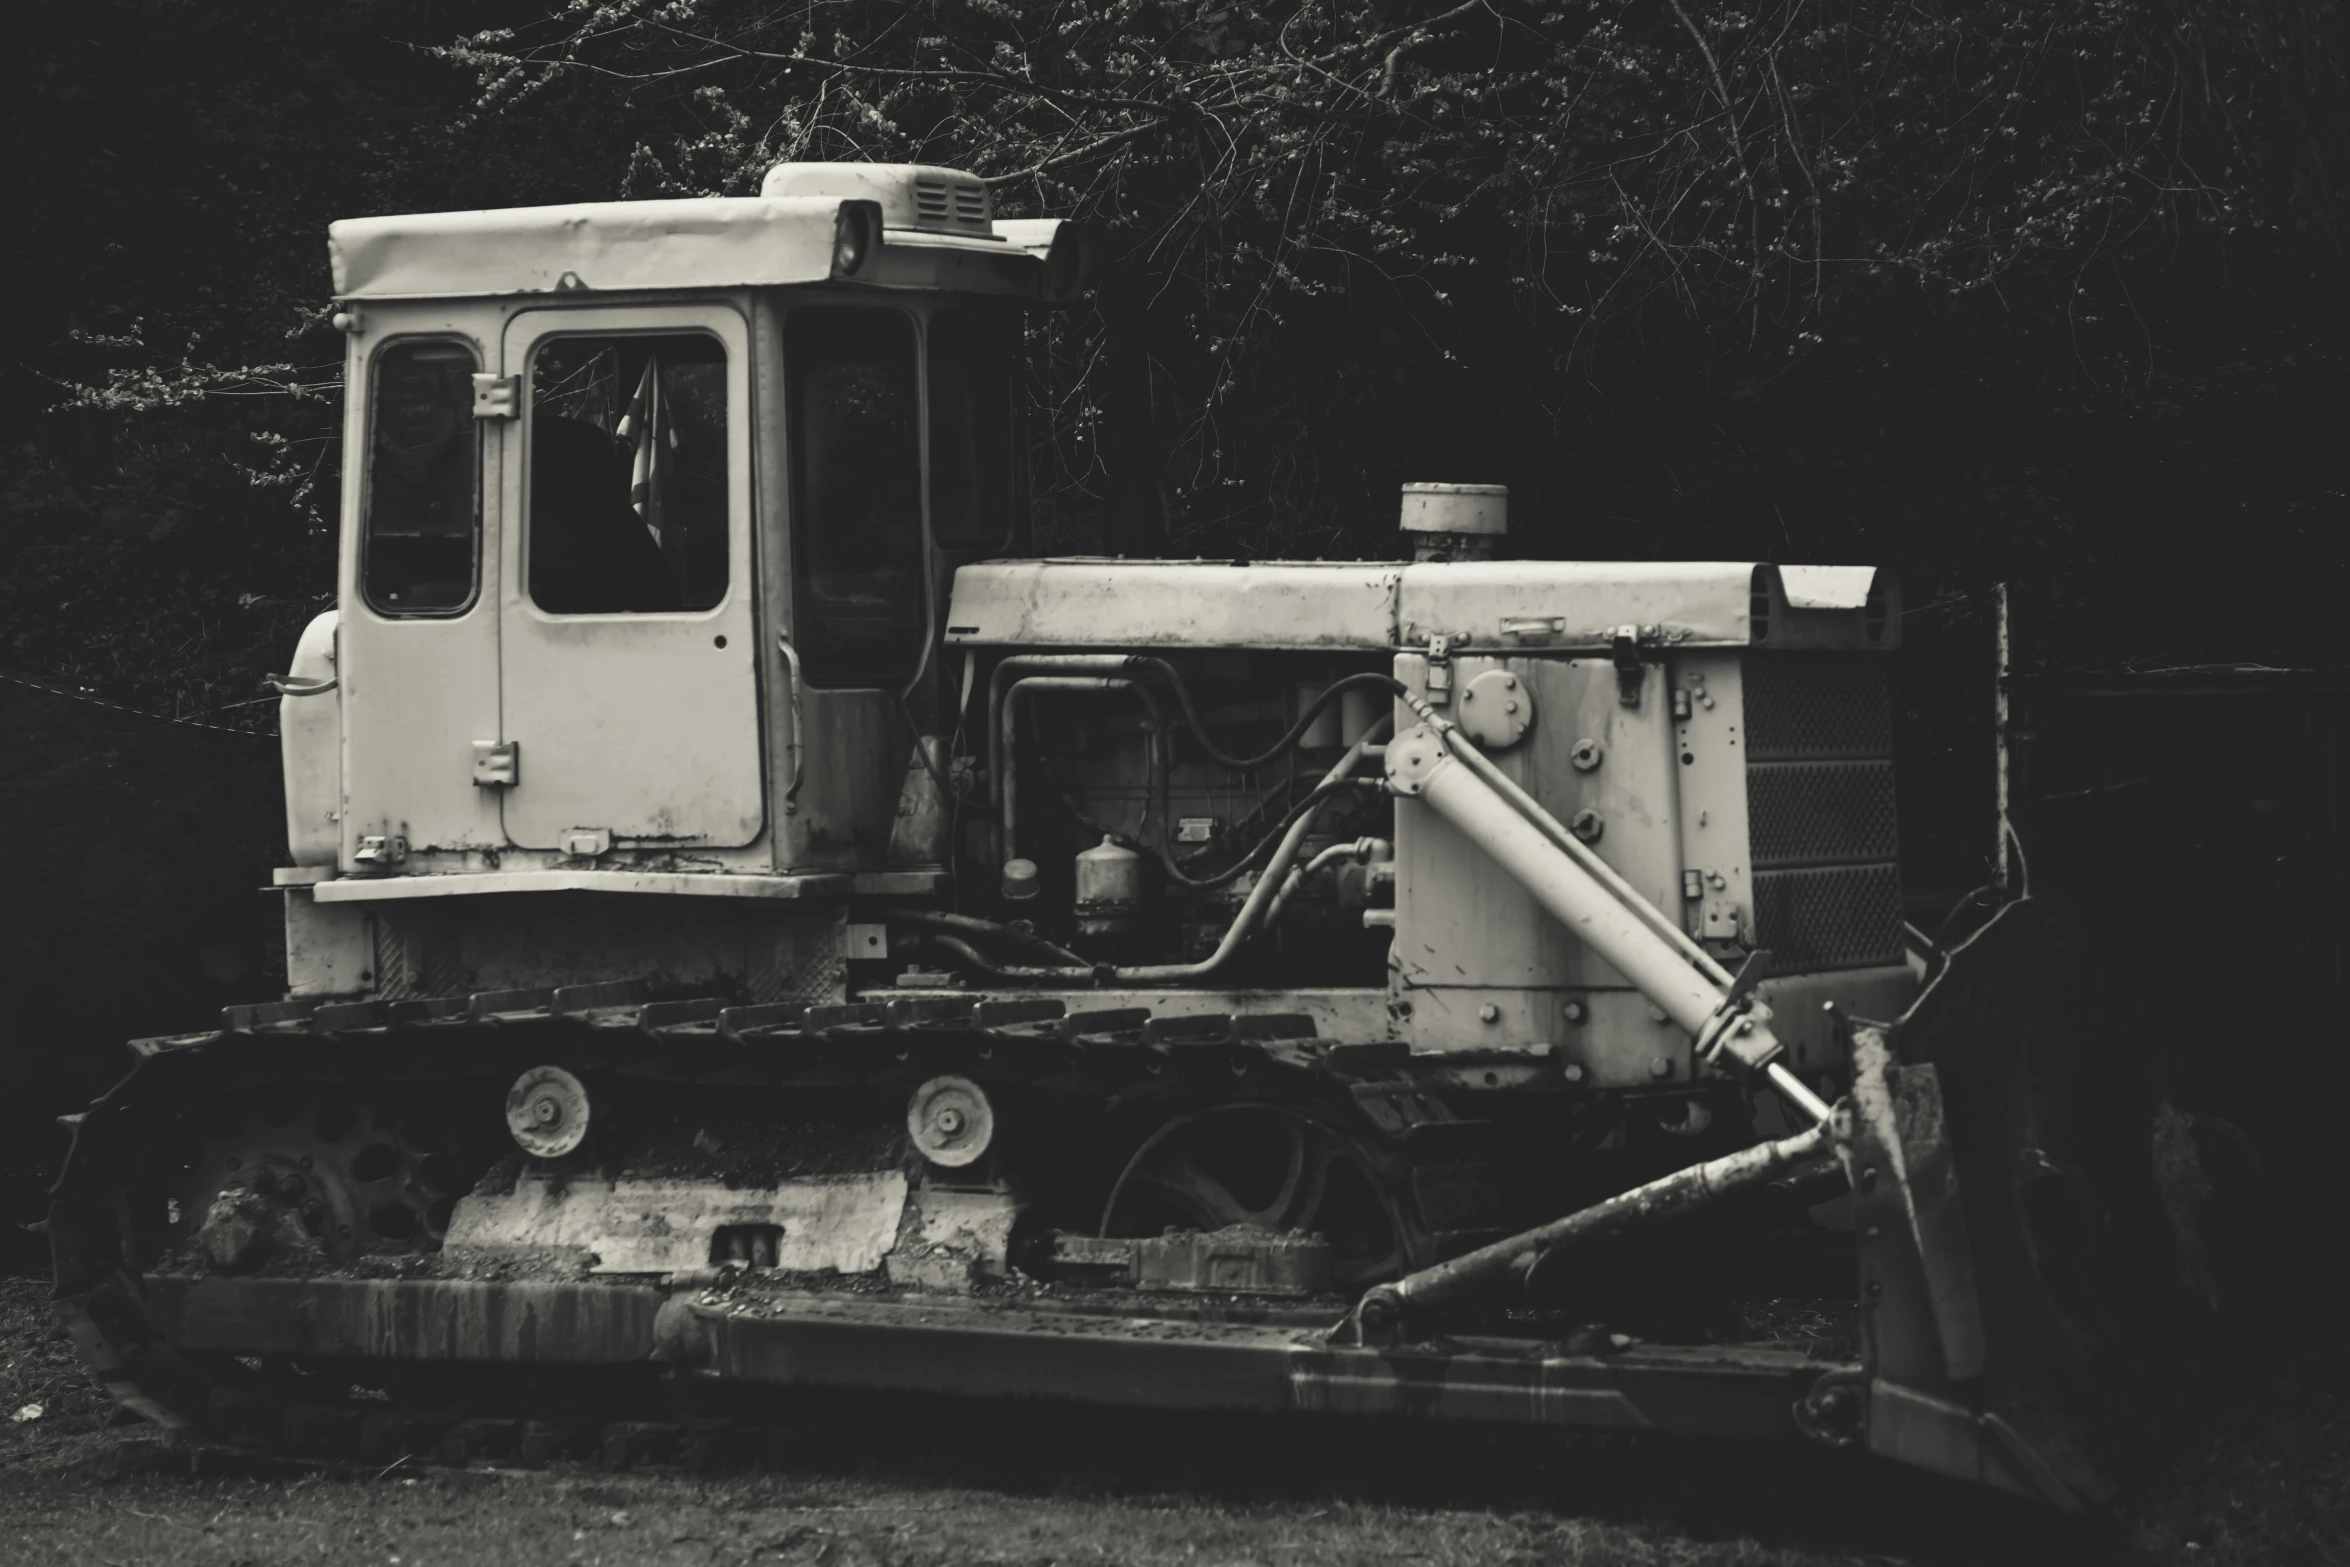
(628, 672)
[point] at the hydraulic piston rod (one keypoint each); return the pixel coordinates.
(1423, 765)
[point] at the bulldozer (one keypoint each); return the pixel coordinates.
(753, 929)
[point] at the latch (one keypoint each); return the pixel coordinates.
(497, 396)
(497, 764)
(381, 851)
(586, 843)
(1439, 670)
(1629, 670)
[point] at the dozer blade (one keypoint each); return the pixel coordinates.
(2019, 1270)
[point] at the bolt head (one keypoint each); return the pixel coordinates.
(948, 1120)
(1660, 1066)
(1574, 1072)
(545, 1111)
(1488, 1013)
(1575, 1011)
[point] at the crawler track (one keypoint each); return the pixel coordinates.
(119, 1224)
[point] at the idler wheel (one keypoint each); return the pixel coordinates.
(547, 1111)
(950, 1121)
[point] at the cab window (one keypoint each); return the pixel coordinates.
(971, 429)
(628, 503)
(856, 493)
(420, 550)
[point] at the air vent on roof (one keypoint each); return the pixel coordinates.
(944, 201)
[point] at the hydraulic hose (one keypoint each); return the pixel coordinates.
(1007, 782)
(1127, 664)
(1358, 849)
(1242, 764)
(970, 925)
(1300, 821)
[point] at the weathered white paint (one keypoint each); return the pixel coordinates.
(1368, 605)
(844, 1223)
(1174, 604)
(640, 724)
(1827, 587)
(697, 242)
(310, 749)
(417, 691)
(382, 889)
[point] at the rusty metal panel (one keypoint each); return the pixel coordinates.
(1477, 959)
(330, 950)
(407, 1319)
(1569, 604)
(1179, 604)
(841, 1223)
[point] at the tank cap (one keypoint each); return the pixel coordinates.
(1456, 508)
(1019, 880)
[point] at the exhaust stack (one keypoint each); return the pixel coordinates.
(1447, 522)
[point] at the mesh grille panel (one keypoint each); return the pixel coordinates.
(1821, 823)
(1804, 706)
(1821, 813)
(1844, 916)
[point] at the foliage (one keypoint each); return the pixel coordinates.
(1495, 240)
(1975, 288)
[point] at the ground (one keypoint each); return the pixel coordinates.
(945, 1483)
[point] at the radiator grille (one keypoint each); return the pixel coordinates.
(1842, 916)
(1820, 813)
(1803, 706)
(1822, 828)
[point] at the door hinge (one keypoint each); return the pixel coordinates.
(497, 764)
(1629, 671)
(497, 396)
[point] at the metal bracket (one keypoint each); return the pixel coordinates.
(1439, 670)
(497, 397)
(1629, 670)
(378, 851)
(497, 764)
(1729, 1026)
(1751, 974)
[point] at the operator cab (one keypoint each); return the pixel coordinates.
(644, 565)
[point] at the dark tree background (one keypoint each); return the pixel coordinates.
(2042, 292)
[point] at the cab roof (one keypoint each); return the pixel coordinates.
(928, 229)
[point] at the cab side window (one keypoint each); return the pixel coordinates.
(856, 493)
(971, 429)
(420, 549)
(628, 503)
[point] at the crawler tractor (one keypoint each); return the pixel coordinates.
(750, 930)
